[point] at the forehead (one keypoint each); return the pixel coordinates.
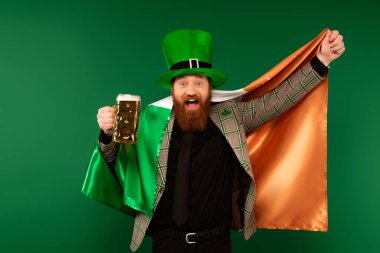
(189, 77)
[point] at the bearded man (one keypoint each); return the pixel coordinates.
(188, 181)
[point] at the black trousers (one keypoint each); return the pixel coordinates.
(163, 243)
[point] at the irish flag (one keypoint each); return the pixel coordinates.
(288, 156)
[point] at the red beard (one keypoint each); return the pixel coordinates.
(192, 121)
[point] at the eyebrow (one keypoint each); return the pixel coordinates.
(182, 77)
(195, 76)
(201, 76)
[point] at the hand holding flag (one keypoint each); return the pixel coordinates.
(332, 47)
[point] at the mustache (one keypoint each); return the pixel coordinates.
(187, 98)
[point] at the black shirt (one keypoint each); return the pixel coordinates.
(211, 172)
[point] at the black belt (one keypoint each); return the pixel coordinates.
(191, 238)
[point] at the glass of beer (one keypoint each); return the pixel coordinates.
(127, 117)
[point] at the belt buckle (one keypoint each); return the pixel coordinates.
(187, 238)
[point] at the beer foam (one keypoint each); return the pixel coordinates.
(127, 97)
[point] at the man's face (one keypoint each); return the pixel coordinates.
(191, 97)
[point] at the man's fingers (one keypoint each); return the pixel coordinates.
(106, 115)
(106, 109)
(340, 51)
(106, 118)
(337, 47)
(332, 46)
(108, 121)
(337, 41)
(334, 34)
(326, 39)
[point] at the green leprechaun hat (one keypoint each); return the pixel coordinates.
(189, 52)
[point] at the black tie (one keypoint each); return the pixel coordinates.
(181, 190)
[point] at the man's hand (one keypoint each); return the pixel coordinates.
(331, 48)
(106, 119)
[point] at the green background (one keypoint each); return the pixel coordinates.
(62, 60)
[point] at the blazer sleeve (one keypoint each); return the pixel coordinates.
(109, 152)
(292, 90)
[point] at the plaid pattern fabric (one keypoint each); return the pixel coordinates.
(272, 105)
(235, 119)
(142, 220)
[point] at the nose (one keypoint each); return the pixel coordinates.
(190, 91)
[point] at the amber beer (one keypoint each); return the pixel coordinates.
(127, 116)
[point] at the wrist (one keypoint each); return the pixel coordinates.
(324, 60)
(318, 66)
(104, 137)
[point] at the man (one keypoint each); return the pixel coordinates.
(204, 184)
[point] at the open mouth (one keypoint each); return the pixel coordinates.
(191, 104)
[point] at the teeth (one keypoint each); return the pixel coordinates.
(192, 100)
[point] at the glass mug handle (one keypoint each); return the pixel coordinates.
(114, 122)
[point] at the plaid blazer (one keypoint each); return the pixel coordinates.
(234, 119)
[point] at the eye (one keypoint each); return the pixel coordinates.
(198, 84)
(181, 84)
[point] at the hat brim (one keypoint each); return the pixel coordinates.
(217, 77)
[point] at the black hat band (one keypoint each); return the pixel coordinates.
(190, 64)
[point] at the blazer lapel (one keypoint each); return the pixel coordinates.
(224, 117)
(163, 159)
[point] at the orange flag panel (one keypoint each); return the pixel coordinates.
(289, 154)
